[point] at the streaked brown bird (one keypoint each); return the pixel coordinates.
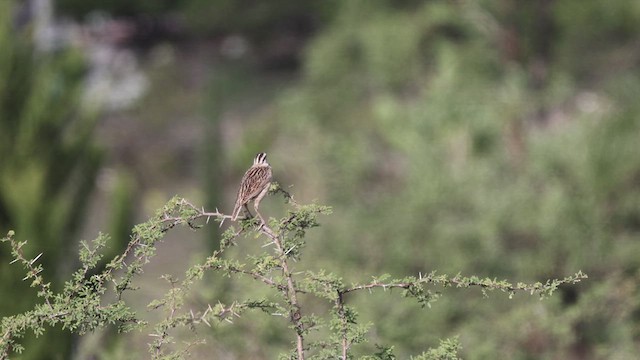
(254, 186)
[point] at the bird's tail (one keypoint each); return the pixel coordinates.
(236, 211)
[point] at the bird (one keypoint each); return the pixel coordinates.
(254, 186)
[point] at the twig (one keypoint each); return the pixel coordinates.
(460, 281)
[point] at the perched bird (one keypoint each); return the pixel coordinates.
(255, 185)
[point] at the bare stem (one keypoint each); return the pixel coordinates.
(343, 324)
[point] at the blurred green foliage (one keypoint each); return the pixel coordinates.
(48, 163)
(481, 137)
(48, 166)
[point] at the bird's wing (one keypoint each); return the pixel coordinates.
(253, 181)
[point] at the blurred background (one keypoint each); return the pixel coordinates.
(496, 137)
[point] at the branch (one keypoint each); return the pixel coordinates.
(288, 289)
(86, 291)
(33, 272)
(290, 292)
(343, 324)
(409, 283)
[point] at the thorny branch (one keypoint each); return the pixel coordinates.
(339, 302)
(33, 272)
(289, 290)
(180, 212)
(461, 281)
(414, 284)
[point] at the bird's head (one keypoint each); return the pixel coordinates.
(260, 159)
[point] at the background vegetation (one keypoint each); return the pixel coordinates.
(489, 138)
